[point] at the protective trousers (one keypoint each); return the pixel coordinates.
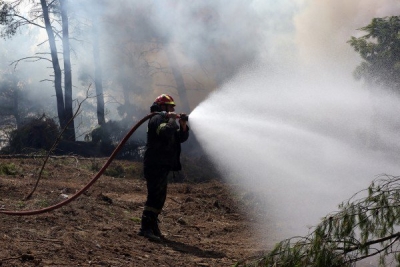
(156, 180)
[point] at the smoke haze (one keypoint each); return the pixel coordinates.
(324, 27)
(269, 82)
(303, 133)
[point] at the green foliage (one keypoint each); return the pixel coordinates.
(42, 203)
(136, 219)
(380, 49)
(21, 204)
(362, 228)
(38, 133)
(134, 169)
(115, 170)
(7, 19)
(8, 169)
(94, 166)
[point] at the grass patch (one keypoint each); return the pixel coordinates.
(42, 203)
(21, 204)
(8, 169)
(136, 219)
(134, 170)
(115, 170)
(119, 169)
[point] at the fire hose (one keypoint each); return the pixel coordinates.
(94, 179)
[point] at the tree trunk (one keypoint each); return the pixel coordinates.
(56, 65)
(180, 84)
(69, 113)
(16, 107)
(98, 76)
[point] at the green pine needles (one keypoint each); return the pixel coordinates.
(366, 225)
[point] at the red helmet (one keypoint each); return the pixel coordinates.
(165, 99)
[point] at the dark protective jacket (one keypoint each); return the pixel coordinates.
(164, 140)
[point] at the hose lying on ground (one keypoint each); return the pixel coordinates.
(94, 179)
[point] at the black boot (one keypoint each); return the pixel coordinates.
(156, 229)
(147, 226)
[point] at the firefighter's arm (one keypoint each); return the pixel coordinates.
(183, 125)
(167, 126)
(183, 131)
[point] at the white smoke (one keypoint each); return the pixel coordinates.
(324, 27)
(297, 125)
(303, 132)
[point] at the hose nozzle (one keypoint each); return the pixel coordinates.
(184, 117)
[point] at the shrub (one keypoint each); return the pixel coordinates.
(37, 133)
(8, 169)
(108, 136)
(115, 170)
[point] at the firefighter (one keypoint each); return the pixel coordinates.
(162, 155)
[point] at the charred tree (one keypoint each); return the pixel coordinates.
(69, 113)
(98, 74)
(55, 63)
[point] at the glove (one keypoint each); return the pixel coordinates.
(184, 117)
(172, 115)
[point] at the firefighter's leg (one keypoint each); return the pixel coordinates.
(156, 178)
(156, 228)
(147, 224)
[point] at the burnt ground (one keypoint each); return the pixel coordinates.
(204, 223)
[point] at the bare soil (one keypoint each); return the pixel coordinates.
(204, 223)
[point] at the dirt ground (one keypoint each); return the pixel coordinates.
(204, 223)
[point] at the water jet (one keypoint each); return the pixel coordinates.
(304, 145)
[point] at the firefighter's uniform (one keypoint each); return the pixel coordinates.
(162, 155)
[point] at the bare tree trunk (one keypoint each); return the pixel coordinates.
(98, 76)
(180, 84)
(56, 65)
(16, 107)
(69, 113)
